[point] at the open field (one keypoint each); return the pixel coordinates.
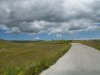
(92, 43)
(29, 58)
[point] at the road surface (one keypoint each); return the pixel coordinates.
(80, 60)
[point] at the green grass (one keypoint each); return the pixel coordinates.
(29, 58)
(92, 43)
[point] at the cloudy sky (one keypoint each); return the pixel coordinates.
(49, 19)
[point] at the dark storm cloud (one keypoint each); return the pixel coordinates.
(52, 16)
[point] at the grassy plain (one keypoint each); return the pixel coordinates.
(29, 58)
(92, 43)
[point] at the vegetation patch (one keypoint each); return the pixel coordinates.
(92, 43)
(30, 58)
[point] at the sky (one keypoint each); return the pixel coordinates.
(49, 19)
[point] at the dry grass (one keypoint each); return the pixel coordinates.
(92, 43)
(29, 58)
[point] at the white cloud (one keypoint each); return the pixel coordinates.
(59, 35)
(37, 38)
(52, 16)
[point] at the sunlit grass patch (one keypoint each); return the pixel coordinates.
(30, 58)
